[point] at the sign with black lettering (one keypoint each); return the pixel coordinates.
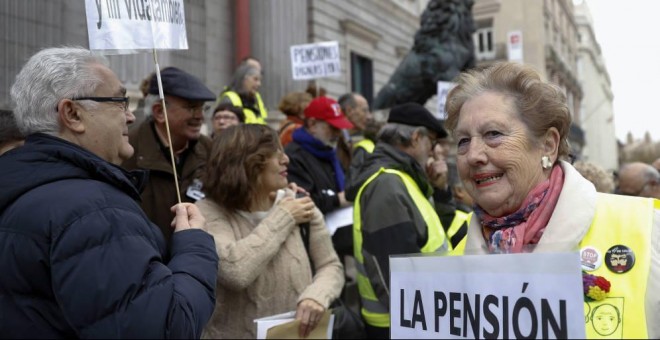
(312, 61)
(127, 25)
(533, 296)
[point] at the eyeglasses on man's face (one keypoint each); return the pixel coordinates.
(230, 116)
(122, 100)
(191, 108)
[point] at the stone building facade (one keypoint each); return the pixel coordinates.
(596, 115)
(373, 36)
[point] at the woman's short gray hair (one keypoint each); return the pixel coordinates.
(397, 134)
(49, 76)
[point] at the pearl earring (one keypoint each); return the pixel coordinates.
(545, 162)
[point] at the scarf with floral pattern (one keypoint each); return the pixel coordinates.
(508, 234)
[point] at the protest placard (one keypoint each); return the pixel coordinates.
(537, 295)
(313, 61)
(128, 25)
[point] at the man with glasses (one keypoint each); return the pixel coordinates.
(639, 179)
(393, 213)
(226, 115)
(78, 256)
(185, 99)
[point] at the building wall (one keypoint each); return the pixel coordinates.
(549, 41)
(275, 26)
(547, 27)
(596, 111)
(360, 27)
(514, 15)
(31, 25)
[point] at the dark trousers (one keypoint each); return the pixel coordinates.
(377, 332)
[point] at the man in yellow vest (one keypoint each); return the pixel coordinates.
(392, 211)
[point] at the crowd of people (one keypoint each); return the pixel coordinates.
(163, 231)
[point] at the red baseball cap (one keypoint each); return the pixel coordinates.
(328, 110)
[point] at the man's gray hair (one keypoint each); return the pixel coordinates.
(49, 76)
(397, 134)
(149, 102)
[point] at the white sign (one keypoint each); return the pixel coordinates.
(312, 61)
(128, 25)
(514, 45)
(537, 295)
(342, 217)
(443, 89)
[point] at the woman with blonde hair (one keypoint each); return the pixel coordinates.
(265, 267)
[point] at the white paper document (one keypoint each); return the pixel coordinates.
(339, 218)
(290, 331)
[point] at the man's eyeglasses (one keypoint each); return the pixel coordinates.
(230, 116)
(194, 109)
(123, 100)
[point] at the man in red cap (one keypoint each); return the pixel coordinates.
(313, 162)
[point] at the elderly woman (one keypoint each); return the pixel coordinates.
(264, 267)
(243, 92)
(511, 132)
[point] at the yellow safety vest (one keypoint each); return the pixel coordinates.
(367, 144)
(250, 116)
(373, 312)
(457, 231)
(623, 221)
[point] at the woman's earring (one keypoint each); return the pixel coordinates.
(545, 162)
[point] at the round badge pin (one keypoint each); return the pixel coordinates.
(590, 258)
(619, 259)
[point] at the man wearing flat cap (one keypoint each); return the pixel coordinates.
(185, 99)
(393, 213)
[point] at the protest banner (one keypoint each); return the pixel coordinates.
(313, 61)
(127, 25)
(537, 295)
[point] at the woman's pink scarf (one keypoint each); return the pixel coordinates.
(508, 234)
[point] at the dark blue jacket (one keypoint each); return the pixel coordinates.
(79, 258)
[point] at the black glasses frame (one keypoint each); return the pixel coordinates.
(123, 100)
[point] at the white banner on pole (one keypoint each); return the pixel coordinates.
(537, 295)
(312, 61)
(129, 25)
(514, 44)
(443, 89)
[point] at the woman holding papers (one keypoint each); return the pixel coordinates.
(511, 129)
(264, 267)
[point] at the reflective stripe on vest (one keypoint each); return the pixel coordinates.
(457, 231)
(375, 313)
(367, 144)
(622, 314)
(250, 116)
